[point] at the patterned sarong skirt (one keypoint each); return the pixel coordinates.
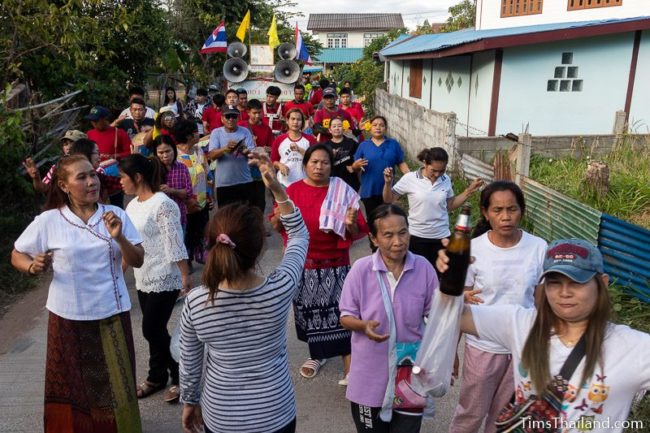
(89, 376)
(316, 312)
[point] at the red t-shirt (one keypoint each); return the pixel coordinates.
(322, 245)
(261, 133)
(324, 113)
(356, 111)
(304, 106)
(108, 147)
(316, 97)
(243, 115)
(272, 117)
(213, 117)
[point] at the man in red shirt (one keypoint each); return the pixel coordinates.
(112, 142)
(299, 102)
(211, 117)
(242, 101)
(354, 108)
(263, 137)
(329, 111)
(272, 113)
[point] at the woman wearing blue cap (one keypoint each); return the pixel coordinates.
(611, 362)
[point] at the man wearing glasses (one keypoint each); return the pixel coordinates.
(229, 145)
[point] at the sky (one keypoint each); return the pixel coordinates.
(413, 12)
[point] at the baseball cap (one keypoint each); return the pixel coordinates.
(329, 92)
(73, 135)
(229, 109)
(574, 258)
(97, 112)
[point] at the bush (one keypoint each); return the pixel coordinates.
(17, 198)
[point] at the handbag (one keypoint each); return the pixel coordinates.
(399, 393)
(542, 414)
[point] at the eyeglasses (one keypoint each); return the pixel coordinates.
(231, 116)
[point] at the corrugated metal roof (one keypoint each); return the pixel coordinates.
(370, 21)
(626, 252)
(556, 216)
(339, 55)
(439, 41)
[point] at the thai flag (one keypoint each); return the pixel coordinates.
(301, 48)
(217, 41)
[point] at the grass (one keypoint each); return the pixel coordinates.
(629, 188)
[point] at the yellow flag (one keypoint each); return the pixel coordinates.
(244, 26)
(274, 41)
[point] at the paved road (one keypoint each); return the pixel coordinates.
(322, 406)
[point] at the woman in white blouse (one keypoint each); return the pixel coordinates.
(165, 270)
(90, 363)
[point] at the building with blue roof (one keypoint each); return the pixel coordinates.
(564, 74)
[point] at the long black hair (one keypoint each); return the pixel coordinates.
(150, 169)
(483, 225)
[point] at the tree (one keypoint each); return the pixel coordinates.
(193, 20)
(95, 45)
(367, 75)
(462, 16)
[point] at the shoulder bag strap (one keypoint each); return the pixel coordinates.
(574, 359)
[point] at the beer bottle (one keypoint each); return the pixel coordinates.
(452, 282)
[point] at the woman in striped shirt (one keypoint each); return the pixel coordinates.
(240, 319)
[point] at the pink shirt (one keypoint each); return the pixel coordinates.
(361, 298)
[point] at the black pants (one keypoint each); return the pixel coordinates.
(366, 419)
(428, 248)
(289, 428)
(260, 195)
(242, 192)
(195, 231)
(370, 203)
(156, 310)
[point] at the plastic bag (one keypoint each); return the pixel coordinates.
(435, 358)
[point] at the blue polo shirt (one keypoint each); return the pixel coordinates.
(388, 154)
(232, 168)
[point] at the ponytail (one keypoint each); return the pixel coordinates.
(150, 169)
(235, 241)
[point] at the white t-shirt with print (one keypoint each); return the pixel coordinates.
(605, 399)
(505, 275)
(292, 158)
(428, 217)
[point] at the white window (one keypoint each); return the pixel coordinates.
(337, 40)
(369, 37)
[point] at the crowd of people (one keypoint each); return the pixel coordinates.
(162, 191)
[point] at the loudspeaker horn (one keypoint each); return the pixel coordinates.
(235, 70)
(287, 51)
(286, 71)
(237, 49)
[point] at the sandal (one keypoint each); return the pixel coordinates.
(314, 365)
(172, 394)
(146, 388)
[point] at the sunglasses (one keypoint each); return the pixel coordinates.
(231, 116)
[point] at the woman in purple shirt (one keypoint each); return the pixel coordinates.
(177, 183)
(384, 301)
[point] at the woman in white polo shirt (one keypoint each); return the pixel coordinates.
(430, 197)
(90, 362)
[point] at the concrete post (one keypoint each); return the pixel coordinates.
(522, 165)
(451, 142)
(620, 124)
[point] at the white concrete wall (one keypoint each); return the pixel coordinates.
(488, 13)
(355, 39)
(414, 126)
(603, 65)
(480, 95)
(453, 98)
(395, 77)
(639, 119)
